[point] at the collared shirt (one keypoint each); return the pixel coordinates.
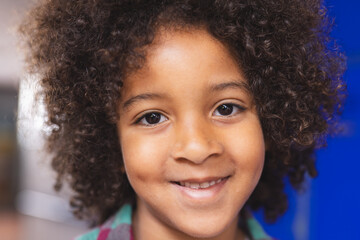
(118, 227)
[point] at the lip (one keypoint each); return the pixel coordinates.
(200, 196)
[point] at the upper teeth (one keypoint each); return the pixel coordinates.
(200, 185)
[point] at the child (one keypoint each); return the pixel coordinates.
(173, 119)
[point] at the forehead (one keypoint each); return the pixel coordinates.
(193, 53)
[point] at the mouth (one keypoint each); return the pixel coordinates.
(193, 184)
(202, 192)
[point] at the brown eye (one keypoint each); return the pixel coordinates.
(225, 109)
(228, 109)
(151, 118)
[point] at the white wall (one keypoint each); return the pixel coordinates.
(11, 12)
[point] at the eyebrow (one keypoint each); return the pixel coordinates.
(215, 88)
(144, 96)
(233, 84)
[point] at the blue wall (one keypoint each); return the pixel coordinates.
(331, 207)
(335, 207)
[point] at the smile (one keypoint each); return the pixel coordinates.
(200, 192)
(202, 185)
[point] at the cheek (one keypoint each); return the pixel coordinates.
(143, 157)
(248, 150)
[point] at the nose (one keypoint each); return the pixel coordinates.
(196, 142)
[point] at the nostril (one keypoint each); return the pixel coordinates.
(196, 144)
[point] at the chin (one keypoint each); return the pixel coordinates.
(204, 233)
(199, 229)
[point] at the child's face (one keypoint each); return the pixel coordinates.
(191, 139)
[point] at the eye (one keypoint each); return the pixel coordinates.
(228, 109)
(151, 118)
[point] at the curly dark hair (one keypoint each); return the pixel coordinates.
(83, 50)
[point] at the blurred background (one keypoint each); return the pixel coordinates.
(30, 210)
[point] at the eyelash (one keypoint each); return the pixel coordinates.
(161, 117)
(142, 118)
(232, 105)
